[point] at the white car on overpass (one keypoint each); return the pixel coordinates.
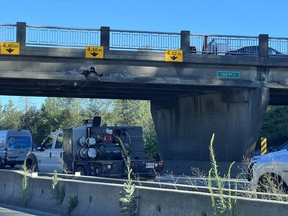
(270, 171)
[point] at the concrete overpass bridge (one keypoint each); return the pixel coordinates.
(211, 90)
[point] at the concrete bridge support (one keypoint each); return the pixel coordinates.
(185, 125)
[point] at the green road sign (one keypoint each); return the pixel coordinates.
(228, 74)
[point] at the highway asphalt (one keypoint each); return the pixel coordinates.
(10, 210)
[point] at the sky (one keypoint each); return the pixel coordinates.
(224, 17)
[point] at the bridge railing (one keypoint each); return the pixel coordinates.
(279, 44)
(61, 37)
(8, 33)
(144, 40)
(47, 36)
(221, 44)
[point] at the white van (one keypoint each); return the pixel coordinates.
(14, 146)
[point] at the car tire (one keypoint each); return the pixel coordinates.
(271, 183)
(32, 166)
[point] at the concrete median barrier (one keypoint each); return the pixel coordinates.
(6, 185)
(41, 196)
(98, 199)
(173, 202)
(103, 199)
(17, 195)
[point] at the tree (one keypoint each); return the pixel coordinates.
(99, 107)
(29, 120)
(275, 126)
(126, 112)
(57, 114)
(10, 118)
(149, 132)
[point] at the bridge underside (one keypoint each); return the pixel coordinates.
(92, 89)
(86, 89)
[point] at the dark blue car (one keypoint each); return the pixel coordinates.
(252, 50)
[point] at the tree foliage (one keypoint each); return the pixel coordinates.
(275, 126)
(10, 117)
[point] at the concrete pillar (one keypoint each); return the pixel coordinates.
(263, 45)
(21, 33)
(105, 37)
(185, 125)
(185, 41)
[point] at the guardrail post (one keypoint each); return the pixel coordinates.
(105, 37)
(263, 45)
(21, 33)
(185, 41)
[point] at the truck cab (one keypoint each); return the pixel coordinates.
(48, 156)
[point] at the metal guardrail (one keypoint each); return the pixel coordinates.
(145, 41)
(8, 33)
(279, 44)
(220, 44)
(61, 37)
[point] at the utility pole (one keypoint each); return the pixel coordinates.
(26, 105)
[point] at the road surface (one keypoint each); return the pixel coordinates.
(9, 210)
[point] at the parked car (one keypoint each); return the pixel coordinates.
(252, 50)
(269, 171)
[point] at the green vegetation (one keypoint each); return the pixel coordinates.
(26, 194)
(59, 113)
(127, 199)
(221, 203)
(275, 126)
(58, 190)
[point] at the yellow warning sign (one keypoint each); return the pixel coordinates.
(10, 48)
(174, 55)
(94, 52)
